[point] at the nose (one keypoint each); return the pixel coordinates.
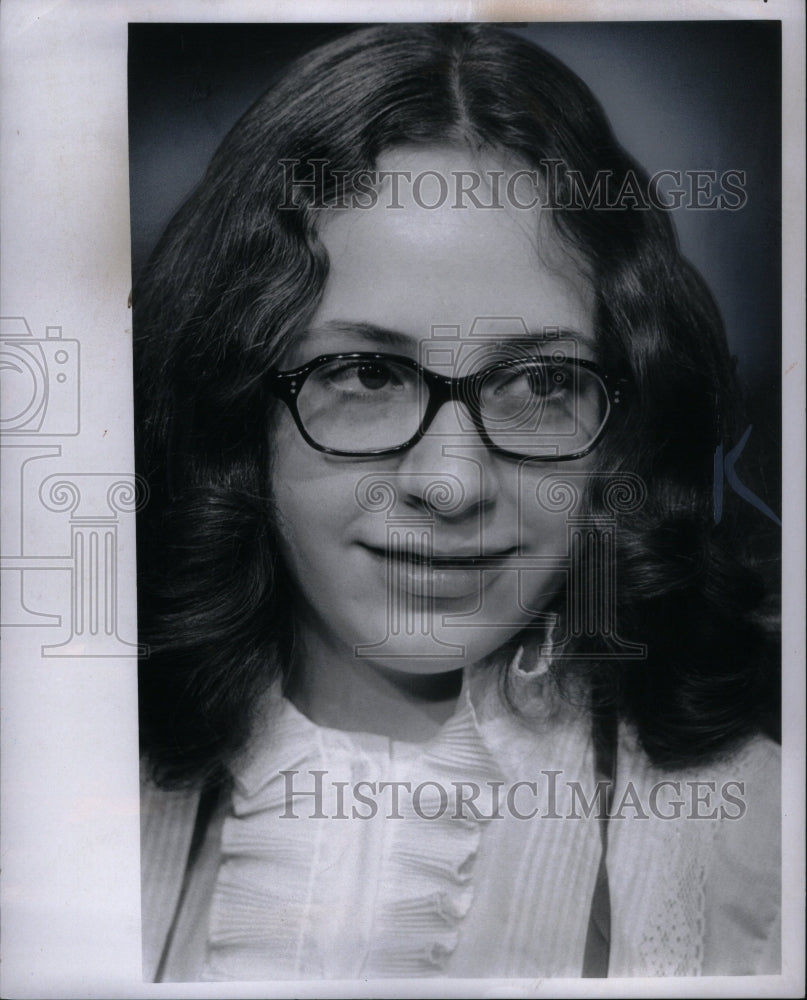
(449, 473)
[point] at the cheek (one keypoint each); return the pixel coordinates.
(544, 501)
(315, 504)
(554, 526)
(302, 479)
(540, 529)
(313, 509)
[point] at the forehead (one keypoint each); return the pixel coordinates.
(415, 260)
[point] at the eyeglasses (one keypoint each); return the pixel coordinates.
(365, 404)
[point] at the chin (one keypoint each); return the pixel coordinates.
(432, 650)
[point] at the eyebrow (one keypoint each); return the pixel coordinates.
(363, 331)
(393, 338)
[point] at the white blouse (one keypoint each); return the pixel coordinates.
(351, 856)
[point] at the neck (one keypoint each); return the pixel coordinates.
(335, 688)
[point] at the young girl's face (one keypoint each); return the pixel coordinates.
(453, 288)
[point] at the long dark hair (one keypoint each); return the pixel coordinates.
(236, 275)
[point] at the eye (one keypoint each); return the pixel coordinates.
(373, 376)
(536, 382)
(364, 378)
(370, 375)
(523, 383)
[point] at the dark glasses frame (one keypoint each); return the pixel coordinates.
(287, 385)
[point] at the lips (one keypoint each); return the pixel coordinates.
(491, 561)
(445, 560)
(439, 576)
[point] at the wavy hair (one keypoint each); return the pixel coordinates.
(235, 276)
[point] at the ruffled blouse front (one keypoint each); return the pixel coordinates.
(351, 856)
(324, 874)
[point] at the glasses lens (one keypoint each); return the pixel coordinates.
(361, 404)
(543, 410)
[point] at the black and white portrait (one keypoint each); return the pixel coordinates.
(394, 584)
(462, 622)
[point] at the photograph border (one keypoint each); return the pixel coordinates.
(69, 780)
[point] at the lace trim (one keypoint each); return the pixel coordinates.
(672, 942)
(663, 932)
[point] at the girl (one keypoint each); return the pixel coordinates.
(450, 671)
